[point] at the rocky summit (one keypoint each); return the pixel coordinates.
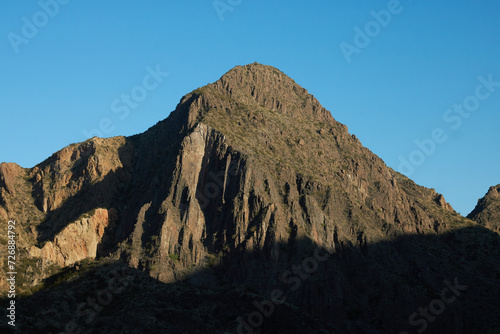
(487, 210)
(249, 209)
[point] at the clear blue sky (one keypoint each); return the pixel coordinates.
(69, 73)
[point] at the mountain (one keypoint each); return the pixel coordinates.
(249, 194)
(487, 210)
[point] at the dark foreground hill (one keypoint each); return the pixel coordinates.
(248, 209)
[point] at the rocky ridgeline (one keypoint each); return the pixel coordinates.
(487, 210)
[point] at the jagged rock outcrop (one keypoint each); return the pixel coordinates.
(10, 176)
(8, 173)
(245, 179)
(487, 210)
(77, 241)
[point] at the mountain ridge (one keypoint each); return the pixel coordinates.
(487, 210)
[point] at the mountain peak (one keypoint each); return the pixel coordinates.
(268, 87)
(252, 87)
(246, 90)
(257, 74)
(487, 210)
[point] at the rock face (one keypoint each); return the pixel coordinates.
(248, 183)
(487, 210)
(77, 241)
(9, 174)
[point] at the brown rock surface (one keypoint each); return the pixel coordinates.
(487, 210)
(77, 241)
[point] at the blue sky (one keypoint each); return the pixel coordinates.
(65, 69)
